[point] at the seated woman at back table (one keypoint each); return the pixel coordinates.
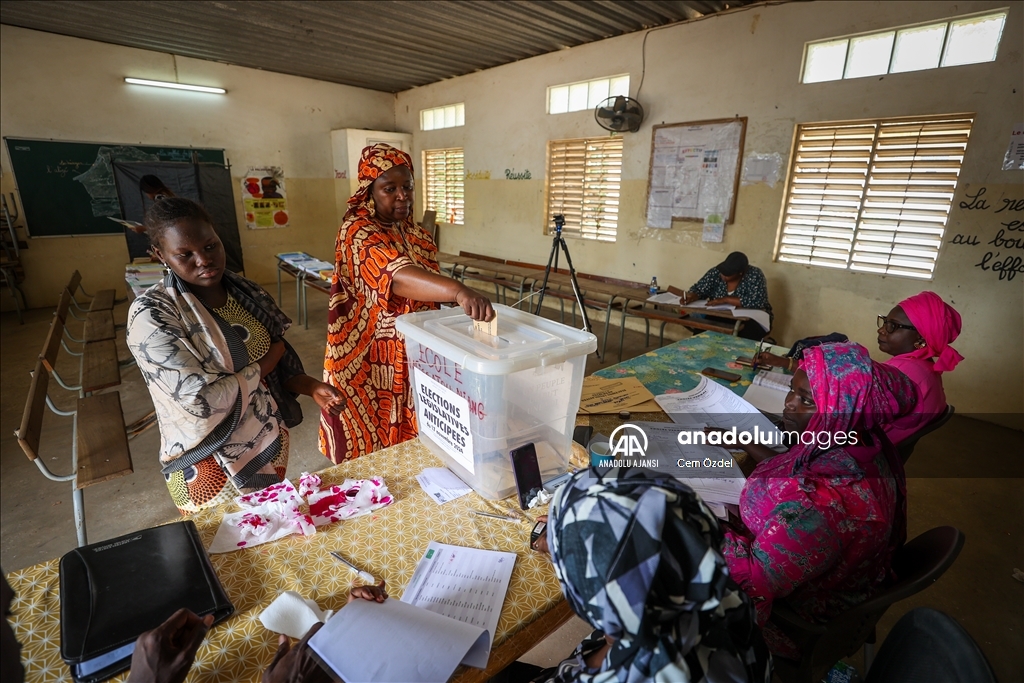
(734, 282)
(638, 558)
(210, 346)
(917, 333)
(821, 522)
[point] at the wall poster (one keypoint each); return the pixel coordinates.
(695, 171)
(264, 198)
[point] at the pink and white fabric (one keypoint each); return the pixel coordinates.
(278, 510)
(267, 515)
(353, 498)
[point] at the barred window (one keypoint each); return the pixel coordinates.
(971, 39)
(583, 181)
(872, 195)
(448, 116)
(444, 184)
(585, 94)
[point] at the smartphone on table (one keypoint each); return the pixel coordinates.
(526, 469)
(720, 374)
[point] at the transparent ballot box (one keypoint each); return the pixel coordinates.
(480, 396)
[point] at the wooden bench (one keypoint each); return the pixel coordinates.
(98, 367)
(99, 315)
(104, 300)
(667, 317)
(99, 450)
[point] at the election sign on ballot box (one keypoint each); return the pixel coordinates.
(479, 396)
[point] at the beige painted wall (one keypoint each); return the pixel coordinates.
(747, 63)
(70, 89)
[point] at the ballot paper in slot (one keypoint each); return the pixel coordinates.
(489, 328)
(447, 616)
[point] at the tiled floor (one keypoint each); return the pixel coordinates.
(986, 501)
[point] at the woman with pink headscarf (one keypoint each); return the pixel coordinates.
(821, 522)
(917, 333)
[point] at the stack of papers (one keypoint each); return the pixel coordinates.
(441, 484)
(447, 616)
(757, 315)
(308, 264)
(666, 298)
(768, 391)
(609, 396)
(719, 484)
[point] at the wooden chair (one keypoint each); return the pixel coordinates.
(917, 565)
(99, 443)
(906, 447)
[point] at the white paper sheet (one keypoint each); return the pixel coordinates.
(467, 584)
(293, 615)
(441, 484)
(711, 404)
(714, 484)
(665, 298)
(393, 642)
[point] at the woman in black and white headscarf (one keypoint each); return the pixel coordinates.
(638, 558)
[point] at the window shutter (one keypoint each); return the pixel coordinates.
(583, 179)
(910, 189)
(872, 195)
(826, 188)
(444, 178)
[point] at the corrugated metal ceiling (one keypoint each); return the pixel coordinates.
(388, 45)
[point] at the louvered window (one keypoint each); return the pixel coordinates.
(872, 195)
(445, 184)
(583, 185)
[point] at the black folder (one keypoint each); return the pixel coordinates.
(111, 592)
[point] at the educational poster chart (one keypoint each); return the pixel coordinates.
(695, 172)
(264, 198)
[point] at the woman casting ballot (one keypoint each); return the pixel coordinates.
(385, 267)
(210, 346)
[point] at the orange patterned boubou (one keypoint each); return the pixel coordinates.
(365, 356)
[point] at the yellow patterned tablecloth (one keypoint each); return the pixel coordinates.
(387, 543)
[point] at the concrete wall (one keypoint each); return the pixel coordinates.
(747, 63)
(70, 89)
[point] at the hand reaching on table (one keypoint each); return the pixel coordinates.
(296, 664)
(372, 593)
(541, 544)
(165, 654)
(766, 359)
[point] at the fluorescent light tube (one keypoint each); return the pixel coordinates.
(175, 86)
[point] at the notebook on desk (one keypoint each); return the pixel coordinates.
(113, 591)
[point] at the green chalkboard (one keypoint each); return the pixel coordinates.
(67, 188)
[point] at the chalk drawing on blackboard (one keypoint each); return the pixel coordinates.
(99, 179)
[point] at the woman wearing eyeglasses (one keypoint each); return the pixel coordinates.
(917, 333)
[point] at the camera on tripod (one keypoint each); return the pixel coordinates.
(559, 222)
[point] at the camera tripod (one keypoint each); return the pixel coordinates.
(559, 243)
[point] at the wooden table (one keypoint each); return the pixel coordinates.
(388, 543)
